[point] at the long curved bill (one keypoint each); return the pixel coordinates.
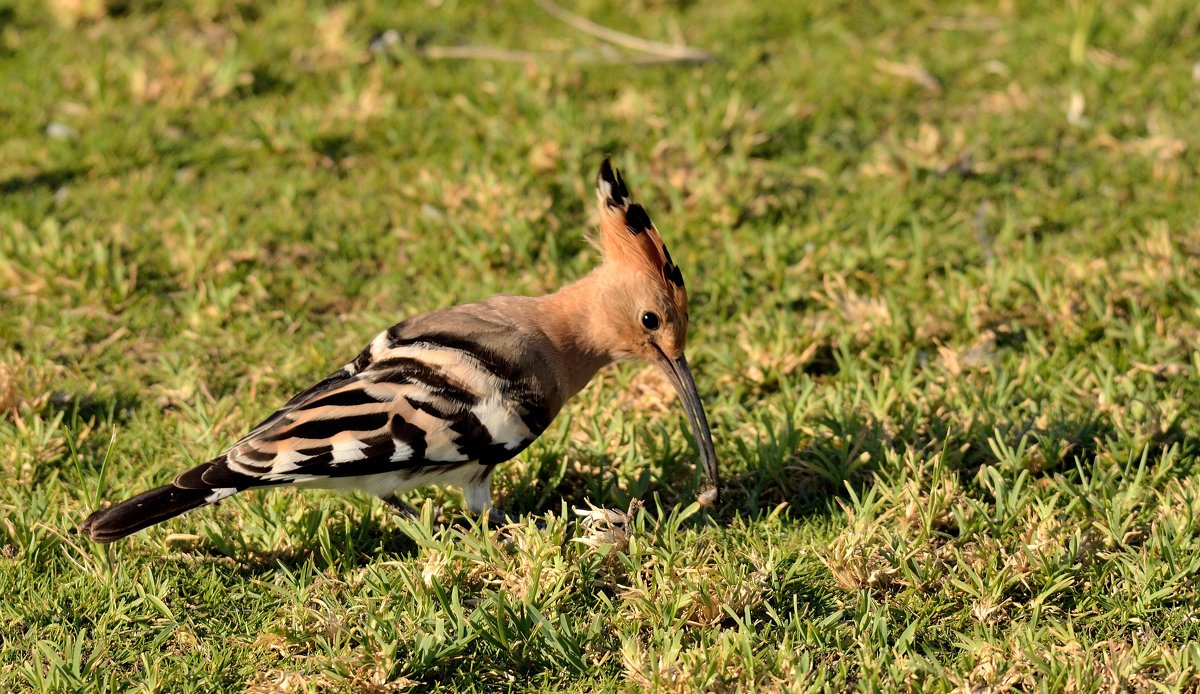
(681, 377)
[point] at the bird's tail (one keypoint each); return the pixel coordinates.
(142, 511)
(187, 492)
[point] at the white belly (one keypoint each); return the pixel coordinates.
(461, 475)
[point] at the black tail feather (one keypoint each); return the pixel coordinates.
(142, 511)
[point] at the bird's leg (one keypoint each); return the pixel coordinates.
(479, 502)
(478, 492)
(401, 507)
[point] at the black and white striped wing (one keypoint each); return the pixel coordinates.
(403, 404)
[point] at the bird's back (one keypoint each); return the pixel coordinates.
(460, 385)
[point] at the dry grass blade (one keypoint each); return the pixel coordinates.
(10, 393)
(912, 71)
(652, 52)
(668, 51)
(501, 55)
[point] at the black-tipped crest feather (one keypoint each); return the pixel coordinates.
(610, 178)
(637, 220)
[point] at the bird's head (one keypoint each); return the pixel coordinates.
(641, 306)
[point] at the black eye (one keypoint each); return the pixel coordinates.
(650, 320)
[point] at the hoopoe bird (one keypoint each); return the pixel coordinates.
(446, 396)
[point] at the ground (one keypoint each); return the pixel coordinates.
(944, 261)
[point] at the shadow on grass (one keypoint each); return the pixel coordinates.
(100, 408)
(807, 472)
(52, 178)
(81, 413)
(315, 543)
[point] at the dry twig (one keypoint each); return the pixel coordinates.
(652, 52)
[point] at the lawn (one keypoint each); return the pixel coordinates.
(944, 267)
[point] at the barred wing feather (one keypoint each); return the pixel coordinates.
(401, 405)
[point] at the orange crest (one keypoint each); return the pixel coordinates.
(628, 237)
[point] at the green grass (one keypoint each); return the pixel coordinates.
(944, 261)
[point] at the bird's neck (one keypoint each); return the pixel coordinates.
(568, 318)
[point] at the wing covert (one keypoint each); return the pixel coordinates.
(401, 405)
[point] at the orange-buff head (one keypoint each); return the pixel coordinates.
(642, 308)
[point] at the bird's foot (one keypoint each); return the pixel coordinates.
(508, 527)
(495, 517)
(400, 506)
(499, 517)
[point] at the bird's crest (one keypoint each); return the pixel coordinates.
(628, 238)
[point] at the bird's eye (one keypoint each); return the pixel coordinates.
(650, 320)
